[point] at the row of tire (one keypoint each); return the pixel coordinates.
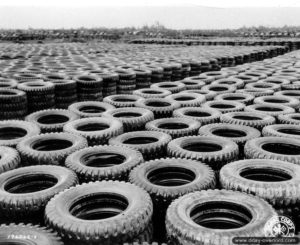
(177, 197)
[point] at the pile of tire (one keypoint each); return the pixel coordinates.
(203, 160)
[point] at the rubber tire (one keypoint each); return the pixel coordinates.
(150, 150)
(165, 110)
(245, 98)
(194, 101)
(55, 126)
(209, 95)
(253, 149)
(182, 230)
(215, 159)
(116, 230)
(256, 92)
(191, 129)
(293, 118)
(274, 130)
(28, 234)
(30, 130)
(9, 159)
(31, 156)
(280, 194)
(291, 102)
(232, 106)
(95, 137)
(215, 88)
(238, 83)
(133, 118)
(173, 87)
(28, 206)
(282, 109)
(289, 93)
(120, 171)
(151, 93)
(242, 118)
(263, 85)
(127, 100)
(100, 108)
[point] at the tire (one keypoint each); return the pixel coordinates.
(89, 87)
(14, 131)
(133, 118)
(167, 179)
(254, 176)
(173, 87)
(176, 127)
(256, 92)
(276, 99)
(246, 79)
(201, 78)
(236, 133)
(238, 97)
(17, 233)
(219, 89)
(151, 144)
(123, 212)
(202, 115)
(103, 163)
(97, 130)
(282, 130)
(192, 83)
(251, 119)
(224, 106)
(238, 83)
(263, 85)
(161, 107)
(214, 151)
(65, 93)
(278, 81)
(13, 104)
(209, 95)
(258, 75)
(276, 148)
(293, 118)
(151, 92)
(289, 93)
(49, 149)
(187, 99)
(122, 100)
(286, 77)
(270, 109)
(215, 74)
(51, 120)
(90, 108)
(26, 191)
(213, 217)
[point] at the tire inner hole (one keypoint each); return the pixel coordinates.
(53, 119)
(234, 98)
(98, 206)
(92, 109)
(221, 215)
(158, 104)
(102, 160)
(184, 98)
(173, 125)
(265, 174)
(140, 140)
(218, 89)
(202, 147)
(231, 133)
(281, 148)
(222, 106)
(127, 114)
(291, 131)
(171, 176)
(93, 127)
(248, 118)
(275, 101)
(268, 109)
(51, 145)
(30, 183)
(197, 114)
(10, 133)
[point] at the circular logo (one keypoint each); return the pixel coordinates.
(279, 226)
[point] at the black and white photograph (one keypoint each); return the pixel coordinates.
(145, 122)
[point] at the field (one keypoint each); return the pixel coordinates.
(121, 140)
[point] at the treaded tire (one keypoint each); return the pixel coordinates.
(97, 130)
(270, 109)
(49, 149)
(238, 97)
(151, 144)
(161, 107)
(14, 131)
(209, 95)
(200, 114)
(187, 99)
(263, 85)
(173, 87)
(238, 83)
(90, 108)
(51, 120)
(9, 159)
(214, 151)
(151, 92)
(276, 148)
(219, 89)
(192, 83)
(224, 106)
(168, 178)
(289, 93)
(282, 130)
(130, 205)
(255, 176)
(182, 229)
(20, 234)
(277, 99)
(122, 100)
(176, 127)
(133, 118)
(293, 118)
(103, 162)
(24, 192)
(239, 134)
(251, 119)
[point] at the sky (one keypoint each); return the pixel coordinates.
(176, 14)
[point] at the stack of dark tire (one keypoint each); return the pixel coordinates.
(127, 81)
(89, 87)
